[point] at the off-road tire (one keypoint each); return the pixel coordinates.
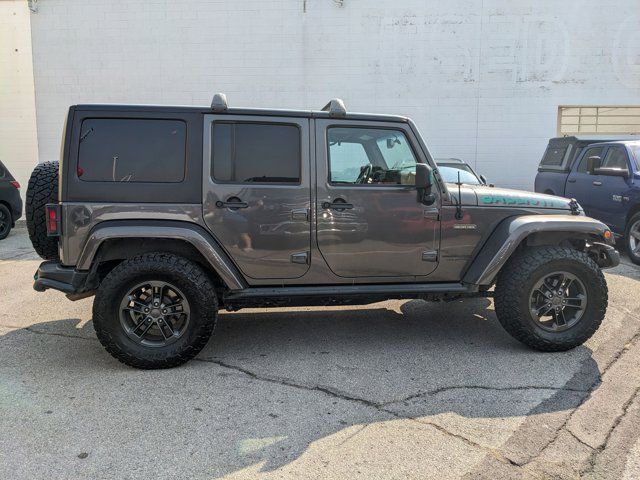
(193, 282)
(516, 280)
(6, 221)
(634, 257)
(42, 189)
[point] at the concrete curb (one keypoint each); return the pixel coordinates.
(589, 428)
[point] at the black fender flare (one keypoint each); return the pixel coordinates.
(191, 233)
(512, 231)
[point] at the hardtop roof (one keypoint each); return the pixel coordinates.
(602, 137)
(271, 112)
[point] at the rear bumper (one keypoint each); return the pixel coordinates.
(52, 275)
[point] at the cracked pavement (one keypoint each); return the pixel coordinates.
(399, 389)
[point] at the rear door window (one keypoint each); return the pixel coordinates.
(255, 153)
(132, 150)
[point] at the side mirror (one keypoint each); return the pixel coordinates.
(424, 182)
(593, 163)
(612, 172)
(424, 176)
(483, 179)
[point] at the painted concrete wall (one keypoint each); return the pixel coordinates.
(18, 140)
(482, 79)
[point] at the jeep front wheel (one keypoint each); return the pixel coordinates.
(155, 311)
(551, 298)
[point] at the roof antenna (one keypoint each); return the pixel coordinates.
(459, 204)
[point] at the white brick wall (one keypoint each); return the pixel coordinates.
(18, 142)
(482, 79)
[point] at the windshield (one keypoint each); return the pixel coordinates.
(636, 153)
(449, 174)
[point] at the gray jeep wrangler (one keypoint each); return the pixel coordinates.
(169, 214)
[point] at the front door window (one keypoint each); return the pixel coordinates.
(367, 156)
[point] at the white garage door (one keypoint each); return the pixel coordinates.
(611, 119)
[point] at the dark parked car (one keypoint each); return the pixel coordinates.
(168, 214)
(605, 179)
(10, 201)
(560, 156)
(452, 169)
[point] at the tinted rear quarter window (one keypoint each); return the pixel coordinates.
(132, 150)
(255, 153)
(553, 156)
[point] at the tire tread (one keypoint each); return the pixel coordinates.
(509, 291)
(207, 306)
(42, 189)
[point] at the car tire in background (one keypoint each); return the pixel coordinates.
(632, 238)
(42, 189)
(6, 222)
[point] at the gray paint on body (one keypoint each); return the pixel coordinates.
(387, 238)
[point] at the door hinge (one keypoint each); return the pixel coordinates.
(300, 214)
(430, 256)
(431, 213)
(300, 257)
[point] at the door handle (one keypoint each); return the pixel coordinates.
(338, 204)
(232, 204)
(300, 214)
(597, 183)
(431, 213)
(571, 180)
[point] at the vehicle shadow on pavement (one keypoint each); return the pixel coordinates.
(272, 385)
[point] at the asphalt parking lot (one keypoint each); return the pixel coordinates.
(402, 389)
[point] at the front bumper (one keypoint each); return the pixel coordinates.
(51, 274)
(606, 256)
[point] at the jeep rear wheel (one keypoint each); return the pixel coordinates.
(551, 298)
(155, 311)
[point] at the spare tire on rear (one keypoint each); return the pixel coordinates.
(42, 189)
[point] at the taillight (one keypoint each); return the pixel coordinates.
(52, 211)
(15, 184)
